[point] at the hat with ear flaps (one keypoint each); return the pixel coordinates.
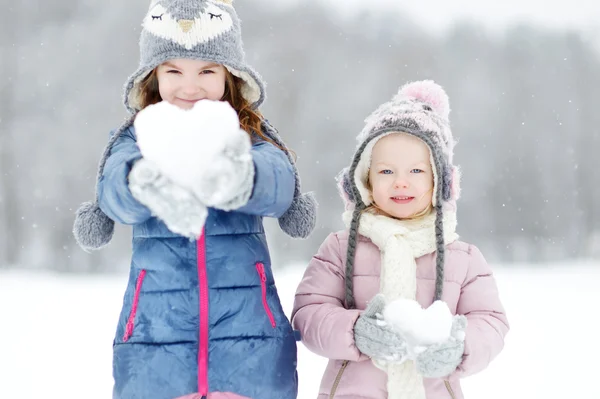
(420, 109)
(207, 30)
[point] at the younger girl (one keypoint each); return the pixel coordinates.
(201, 315)
(401, 244)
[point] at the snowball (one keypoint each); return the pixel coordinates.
(420, 327)
(184, 143)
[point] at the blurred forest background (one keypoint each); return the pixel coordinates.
(524, 108)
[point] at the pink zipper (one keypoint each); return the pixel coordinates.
(263, 283)
(203, 299)
(134, 306)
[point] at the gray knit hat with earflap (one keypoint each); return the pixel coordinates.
(207, 30)
(420, 109)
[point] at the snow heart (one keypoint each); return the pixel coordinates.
(419, 327)
(185, 143)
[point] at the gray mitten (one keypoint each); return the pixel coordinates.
(440, 360)
(228, 180)
(375, 338)
(176, 206)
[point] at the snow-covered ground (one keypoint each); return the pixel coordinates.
(56, 335)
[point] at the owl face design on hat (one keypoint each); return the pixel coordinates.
(189, 23)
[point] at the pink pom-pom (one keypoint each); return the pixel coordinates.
(428, 92)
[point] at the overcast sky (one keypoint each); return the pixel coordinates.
(439, 14)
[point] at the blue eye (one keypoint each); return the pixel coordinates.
(386, 172)
(417, 171)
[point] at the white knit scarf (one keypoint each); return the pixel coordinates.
(400, 243)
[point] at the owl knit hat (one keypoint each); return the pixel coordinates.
(207, 30)
(419, 109)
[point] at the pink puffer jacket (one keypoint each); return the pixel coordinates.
(327, 327)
